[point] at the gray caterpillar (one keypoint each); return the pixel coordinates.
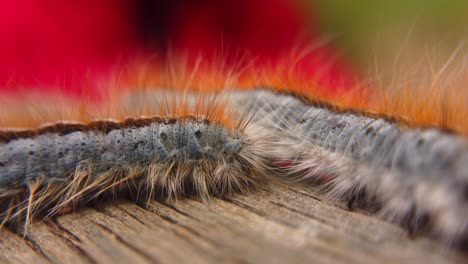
(62, 165)
(418, 177)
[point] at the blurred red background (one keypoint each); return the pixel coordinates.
(60, 45)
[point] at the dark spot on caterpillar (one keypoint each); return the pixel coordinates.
(338, 126)
(83, 144)
(414, 222)
(302, 121)
(356, 195)
(60, 155)
(464, 190)
(118, 141)
(31, 153)
(401, 162)
(369, 130)
(135, 146)
(163, 136)
(2, 164)
(353, 147)
(198, 134)
(420, 143)
(172, 121)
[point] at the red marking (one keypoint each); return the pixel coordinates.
(64, 211)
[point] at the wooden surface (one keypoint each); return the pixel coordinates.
(278, 224)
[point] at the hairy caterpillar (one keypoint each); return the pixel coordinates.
(59, 166)
(417, 177)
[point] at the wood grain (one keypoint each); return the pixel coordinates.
(277, 224)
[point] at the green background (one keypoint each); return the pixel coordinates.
(365, 28)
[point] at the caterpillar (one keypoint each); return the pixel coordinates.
(312, 123)
(417, 177)
(59, 166)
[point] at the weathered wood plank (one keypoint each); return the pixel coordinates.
(276, 224)
(14, 249)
